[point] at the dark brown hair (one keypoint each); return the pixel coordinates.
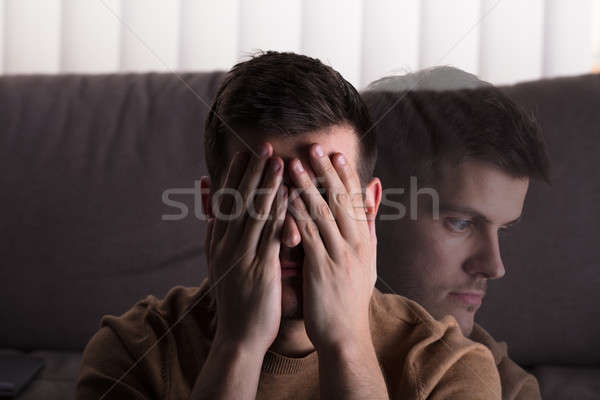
(284, 94)
(434, 121)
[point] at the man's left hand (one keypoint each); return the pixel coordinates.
(339, 270)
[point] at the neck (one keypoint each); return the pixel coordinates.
(292, 340)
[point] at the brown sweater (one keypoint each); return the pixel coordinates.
(157, 348)
(517, 384)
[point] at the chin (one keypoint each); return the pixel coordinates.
(463, 316)
(291, 299)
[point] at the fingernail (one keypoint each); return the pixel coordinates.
(264, 150)
(275, 165)
(319, 151)
(341, 159)
(298, 166)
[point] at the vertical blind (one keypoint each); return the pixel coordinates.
(502, 41)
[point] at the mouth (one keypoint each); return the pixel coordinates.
(468, 298)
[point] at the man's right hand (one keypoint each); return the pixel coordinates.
(243, 252)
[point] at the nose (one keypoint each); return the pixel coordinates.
(487, 260)
(290, 235)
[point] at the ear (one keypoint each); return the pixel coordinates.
(206, 195)
(372, 202)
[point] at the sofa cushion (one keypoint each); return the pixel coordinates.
(56, 381)
(568, 383)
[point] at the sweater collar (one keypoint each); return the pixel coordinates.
(278, 364)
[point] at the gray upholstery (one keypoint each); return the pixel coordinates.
(569, 383)
(551, 288)
(84, 162)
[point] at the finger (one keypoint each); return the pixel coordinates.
(222, 199)
(259, 209)
(311, 239)
(248, 184)
(337, 195)
(270, 241)
(351, 181)
(290, 236)
(317, 208)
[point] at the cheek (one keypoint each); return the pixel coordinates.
(438, 258)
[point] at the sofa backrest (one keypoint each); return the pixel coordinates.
(547, 308)
(85, 161)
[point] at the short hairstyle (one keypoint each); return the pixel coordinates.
(442, 115)
(279, 93)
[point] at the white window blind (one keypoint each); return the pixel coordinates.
(502, 41)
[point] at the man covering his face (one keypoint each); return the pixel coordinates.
(289, 309)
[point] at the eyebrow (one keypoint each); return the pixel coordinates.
(446, 207)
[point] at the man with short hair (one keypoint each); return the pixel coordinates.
(289, 309)
(469, 142)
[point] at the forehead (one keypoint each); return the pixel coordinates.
(334, 139)
(484, 188)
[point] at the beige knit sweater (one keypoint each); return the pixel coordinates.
(157, 348)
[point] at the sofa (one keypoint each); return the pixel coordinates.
(91, 167)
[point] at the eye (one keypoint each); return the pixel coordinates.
(458, 225)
